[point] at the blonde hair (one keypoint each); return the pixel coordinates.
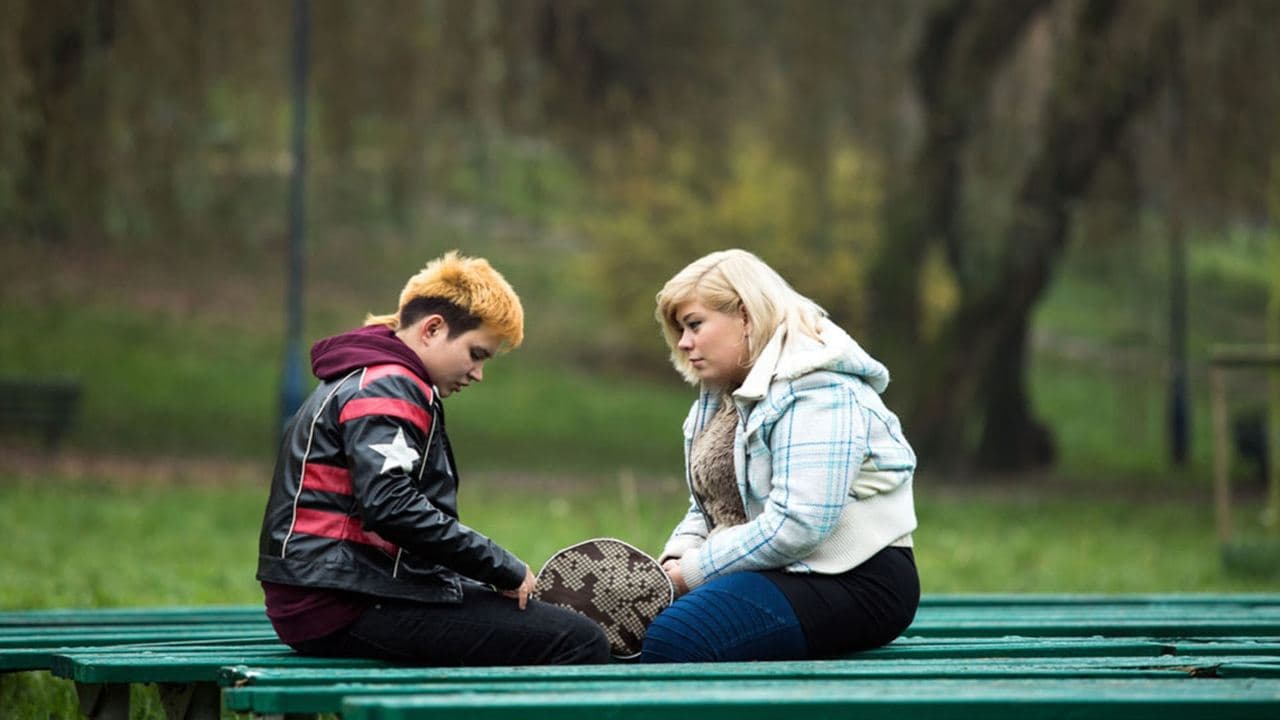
(470, 284)
(730, 281)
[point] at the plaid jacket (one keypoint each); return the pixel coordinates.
(822, 466)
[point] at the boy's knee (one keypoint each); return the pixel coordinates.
(582, 642)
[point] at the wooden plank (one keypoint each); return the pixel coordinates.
(182, 667)
(133, 616)
(327, 698)
(1270, 669)
(1115, 628)
(1080, 600)
(1225, 646)
(871, 700)
(239, 675)
(41, 658)
(99, 638)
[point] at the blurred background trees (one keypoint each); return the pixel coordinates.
(930, 172)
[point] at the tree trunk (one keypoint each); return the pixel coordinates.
(979, 362)
(962, 46)
(56, 44)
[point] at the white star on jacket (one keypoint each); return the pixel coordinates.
(398, 454)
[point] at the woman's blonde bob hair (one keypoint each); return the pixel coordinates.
(473, 286)
(731, 281)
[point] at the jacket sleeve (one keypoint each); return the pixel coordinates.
(817, 446)
(386, 429)
(689, 534)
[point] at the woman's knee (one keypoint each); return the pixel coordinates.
(674, 637)
(742, 616)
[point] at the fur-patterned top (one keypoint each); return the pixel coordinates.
(711, 469)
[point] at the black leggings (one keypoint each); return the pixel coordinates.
(859, 609)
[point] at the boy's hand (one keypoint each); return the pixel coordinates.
(522, 593)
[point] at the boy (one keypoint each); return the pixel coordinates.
(361, 552)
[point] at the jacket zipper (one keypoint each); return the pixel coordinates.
(395, 569)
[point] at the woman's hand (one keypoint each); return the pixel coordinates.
(672, 568)
(522, 593)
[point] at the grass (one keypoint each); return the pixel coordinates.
(95, 542)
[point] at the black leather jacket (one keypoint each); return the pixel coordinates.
(364, 496)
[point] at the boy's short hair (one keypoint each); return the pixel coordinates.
(467, 292)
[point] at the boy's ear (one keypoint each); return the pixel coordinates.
(432, 326)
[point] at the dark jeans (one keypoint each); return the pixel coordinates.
(485, 629)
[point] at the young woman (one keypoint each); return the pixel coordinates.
(797, 542)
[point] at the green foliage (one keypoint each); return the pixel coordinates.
(666, 212)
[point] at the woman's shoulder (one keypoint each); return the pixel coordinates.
(815, 381)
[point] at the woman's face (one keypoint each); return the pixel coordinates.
(714, 342)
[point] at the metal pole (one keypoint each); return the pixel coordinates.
(291, 391)
(1179, 414)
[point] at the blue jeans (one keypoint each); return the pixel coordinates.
(776, 615)
(742, 616)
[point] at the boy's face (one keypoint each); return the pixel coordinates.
(454, 363)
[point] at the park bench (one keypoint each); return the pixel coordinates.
(33, 640)
(965, 656)
(44, 407)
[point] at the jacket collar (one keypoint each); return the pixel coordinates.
(757, 382)
(787, 356)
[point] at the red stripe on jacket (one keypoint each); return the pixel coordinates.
(403, 409)
(375, 372)
(338, 526)
(326, 478)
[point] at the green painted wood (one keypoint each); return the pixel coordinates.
(1020, 600)
(919, 648)
(1101, 699)
(16, 634)
(133, 616)
(903, 648)
(182, 667)
(99, 638)
(327, 698)
(231, 676)
(1107, 627)
(1226, 646)
(26, 659)
(1268, 669)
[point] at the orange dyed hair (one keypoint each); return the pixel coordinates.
(474, 286)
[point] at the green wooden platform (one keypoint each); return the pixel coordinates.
(1167, 656)
(985, 699)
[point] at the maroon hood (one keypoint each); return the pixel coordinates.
(370, 345)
